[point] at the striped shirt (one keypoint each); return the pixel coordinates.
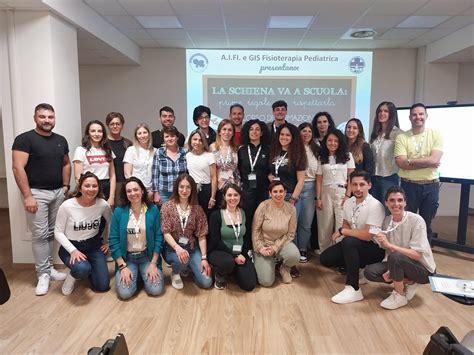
(165, 171)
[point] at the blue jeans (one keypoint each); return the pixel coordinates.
(165, 196)
(94, 267)
(297, 204)
(380, 185)
(138, 263)
(306, 215)
(194, 263)
(424, 200)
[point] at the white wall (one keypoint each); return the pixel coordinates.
(138, 92)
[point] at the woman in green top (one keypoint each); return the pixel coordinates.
(229, 242)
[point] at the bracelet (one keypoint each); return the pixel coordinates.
(204, 257)
(340, 230)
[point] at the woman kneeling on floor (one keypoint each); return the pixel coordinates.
(78, 230)
(273, 230)
(184, 226)
(229, 242)
(136, 242)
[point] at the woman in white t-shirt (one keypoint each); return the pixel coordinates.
(96, 156)
(79, 225)
(202, 167)
(138, 159)
(332, 189)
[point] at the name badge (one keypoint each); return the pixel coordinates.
(252, 180)
(183, 241)
(374, 230)
(237, 249)
(337, 240)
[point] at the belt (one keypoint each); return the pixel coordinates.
(136, 252)
(420, 182)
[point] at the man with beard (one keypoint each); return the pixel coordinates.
(42, 171)
(354, 247)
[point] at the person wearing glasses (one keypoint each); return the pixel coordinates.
(202, 118)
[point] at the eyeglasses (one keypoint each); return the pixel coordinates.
(203, 117)
(115, 124)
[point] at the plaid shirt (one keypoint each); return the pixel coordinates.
(165, 171)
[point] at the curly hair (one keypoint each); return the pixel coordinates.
(296, 152)
(314, 123)
(342, 153)
(244, 132)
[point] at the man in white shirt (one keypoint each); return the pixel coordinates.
(354, 246)
(409, 259)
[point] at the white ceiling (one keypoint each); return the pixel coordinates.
(234, 24)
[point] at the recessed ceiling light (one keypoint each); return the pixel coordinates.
(363, 34)
(289, 21)
(422, 21)
(359, 33)
(159, 21)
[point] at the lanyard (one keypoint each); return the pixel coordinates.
(378, 142)
(228, 157)
(356, 212)
(252, 163)
(235, 227)
(278, 163)
(137, 223)
(418, 144)
(183, 216)
(392, 226)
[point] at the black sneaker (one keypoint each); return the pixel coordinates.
(303, 256)
(220, 282)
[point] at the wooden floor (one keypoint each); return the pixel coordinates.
(286, 319)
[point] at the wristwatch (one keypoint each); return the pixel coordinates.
(204, 257)
(122, 266)
(408, 161)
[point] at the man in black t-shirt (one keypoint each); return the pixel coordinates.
(167, 120)
(279, 110)
(42, 171)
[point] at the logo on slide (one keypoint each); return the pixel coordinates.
(357, 65)
(198, 62)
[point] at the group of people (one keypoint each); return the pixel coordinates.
(236, 202)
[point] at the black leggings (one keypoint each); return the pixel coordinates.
(224, 264)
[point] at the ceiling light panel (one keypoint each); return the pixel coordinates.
(422, 21)
(289, 21)
(159, 21)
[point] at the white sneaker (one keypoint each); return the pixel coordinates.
(394, 301)
(410, 290)
(43, 285)
(176, 281)
(362, 279)
(68, 285)
(57, 275)
(348, 295)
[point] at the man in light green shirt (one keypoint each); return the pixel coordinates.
(418, 154)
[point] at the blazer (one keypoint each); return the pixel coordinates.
(118, 233)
